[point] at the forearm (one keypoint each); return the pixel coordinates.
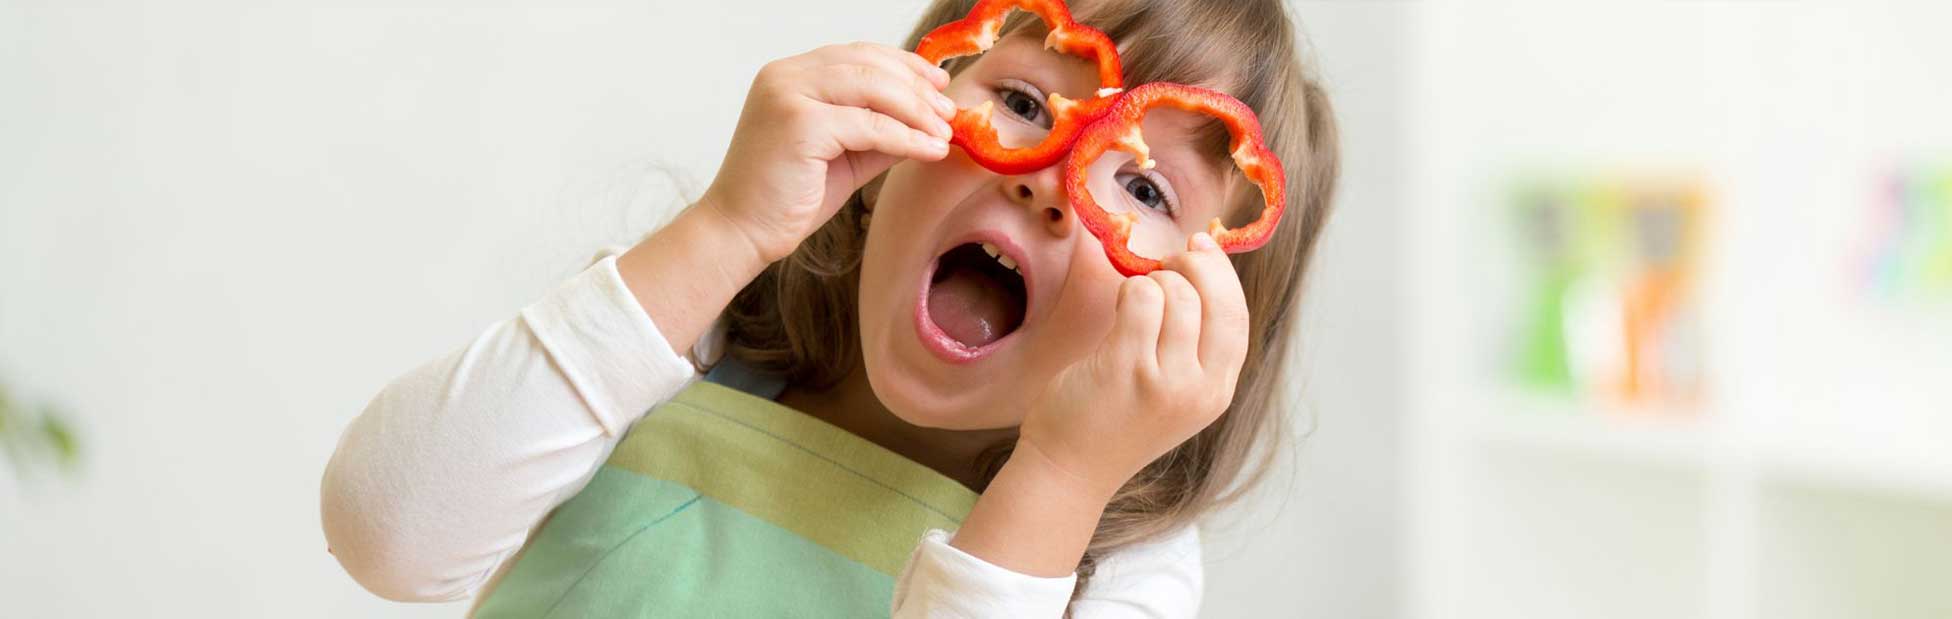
(1017, 552)
(447, 469)
(1034, 518)
(687, 272)
(444, 472)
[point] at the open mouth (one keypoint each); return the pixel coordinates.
(975, 297)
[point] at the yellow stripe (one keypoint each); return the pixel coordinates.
(804, 475)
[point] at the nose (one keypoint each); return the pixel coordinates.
(1042, 193)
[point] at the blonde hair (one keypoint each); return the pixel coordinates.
(1246, 48)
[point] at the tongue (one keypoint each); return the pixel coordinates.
(970, 307)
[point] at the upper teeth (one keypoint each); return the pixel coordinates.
(994, 252)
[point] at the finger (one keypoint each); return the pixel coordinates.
(861, 129)
(852, 170)
(890, 57)
(1141, 305)
(874, 88)
(927, 81)
(1223, 305)
(1179, 333)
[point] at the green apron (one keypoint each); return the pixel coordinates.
(720, 503)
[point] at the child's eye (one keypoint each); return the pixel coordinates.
(1025, 102)
(1146, 191)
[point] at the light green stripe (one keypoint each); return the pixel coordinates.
(797, 472)
(632, 546)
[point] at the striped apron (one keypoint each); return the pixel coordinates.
(723, 503)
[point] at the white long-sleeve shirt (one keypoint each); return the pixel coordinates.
(452, 466)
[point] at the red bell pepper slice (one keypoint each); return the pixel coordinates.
(976, 32)
(1119, 130)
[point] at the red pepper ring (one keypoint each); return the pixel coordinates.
(1119, 130)
(977, 32)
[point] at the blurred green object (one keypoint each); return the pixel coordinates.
(31, 441)
(1549, 221)
(1542, 360)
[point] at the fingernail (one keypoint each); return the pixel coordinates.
(1203, 241)
(934, 144)
(943, 105)
(940, 74)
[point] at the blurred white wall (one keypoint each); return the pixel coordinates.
(224, 226)
(1324, 541)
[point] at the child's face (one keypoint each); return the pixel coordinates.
(951, 337)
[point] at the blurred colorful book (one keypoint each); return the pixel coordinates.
(1910, 255)
(1608, 306)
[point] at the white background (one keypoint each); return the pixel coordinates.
(224, 226)
(1813, 476)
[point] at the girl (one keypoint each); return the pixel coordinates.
(929, 392)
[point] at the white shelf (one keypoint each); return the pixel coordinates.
(1656, 437)
(1683, 439)
(1894, 475)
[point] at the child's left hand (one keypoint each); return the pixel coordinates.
(1166, 371)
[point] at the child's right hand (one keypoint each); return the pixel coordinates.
(1166, 371)
(818, 126)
